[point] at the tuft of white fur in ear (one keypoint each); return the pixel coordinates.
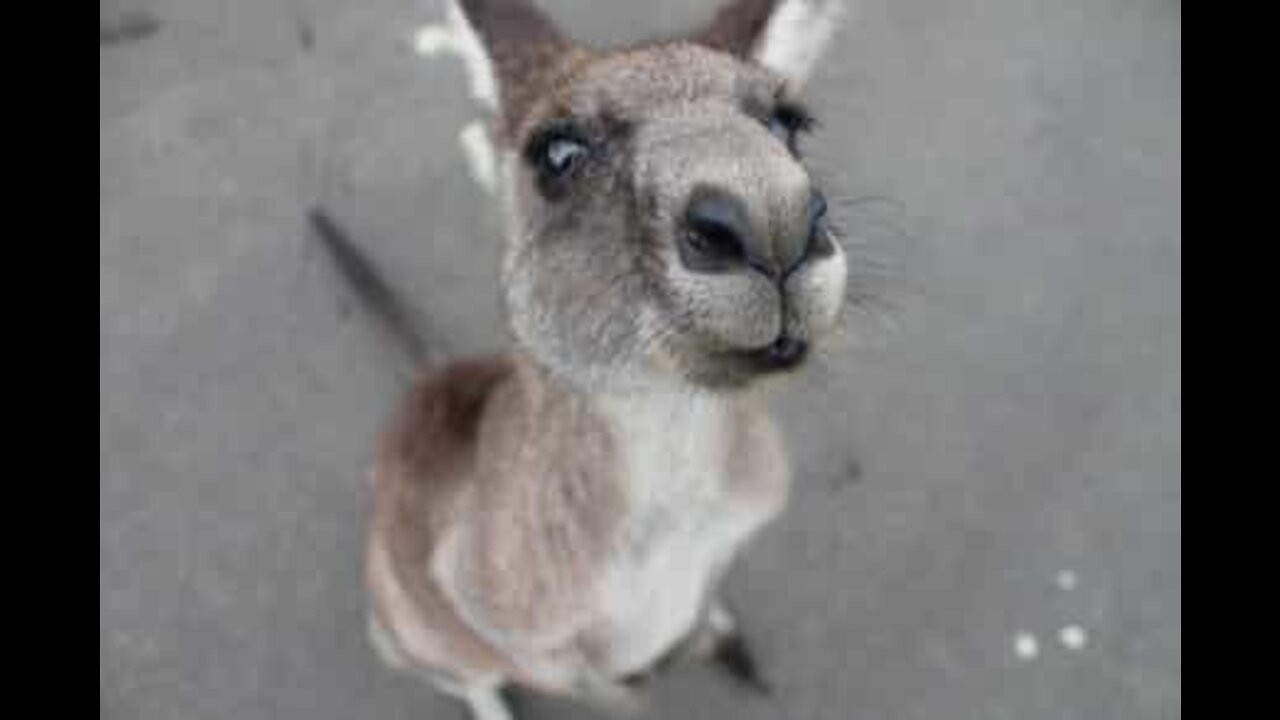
(456, 35)
(796, 35)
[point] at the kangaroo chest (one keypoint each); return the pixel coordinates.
(685, 519)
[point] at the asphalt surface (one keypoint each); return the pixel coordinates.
(987, 519)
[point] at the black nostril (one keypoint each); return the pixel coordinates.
(817, 209)
(819, 244)
(787, 352)
(713, 239)
(715, 231)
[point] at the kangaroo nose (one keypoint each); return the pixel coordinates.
(717, 232)
(717, 235)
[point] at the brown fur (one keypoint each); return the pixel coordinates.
(534, 466)
(737, 26)
(534, 509)
(493, 440)
(425, 460)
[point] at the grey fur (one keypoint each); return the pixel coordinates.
(559, 517)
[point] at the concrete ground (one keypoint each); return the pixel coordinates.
(986, 523)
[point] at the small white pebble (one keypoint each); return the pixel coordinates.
(1073, 637)
(1025, 646)
(1066, 580)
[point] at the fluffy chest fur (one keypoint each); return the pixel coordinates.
(686, 516)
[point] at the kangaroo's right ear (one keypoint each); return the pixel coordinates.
(786, 36)
(508, 45)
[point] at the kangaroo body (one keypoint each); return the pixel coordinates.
(560, 516)
(592, 529)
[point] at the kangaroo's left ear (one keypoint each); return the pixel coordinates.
(510, 46)
(786, 36)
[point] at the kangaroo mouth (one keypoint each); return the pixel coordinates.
(729, 369)
(784, 353)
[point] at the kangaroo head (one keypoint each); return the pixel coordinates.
(662, 222)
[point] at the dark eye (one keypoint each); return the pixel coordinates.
(556, 153)
(562, 154)
(787, 121)
(781, 129)
(556, 150)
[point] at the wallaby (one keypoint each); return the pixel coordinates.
(559, 517)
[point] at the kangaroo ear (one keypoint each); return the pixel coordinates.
(508, 46)
(785, 36)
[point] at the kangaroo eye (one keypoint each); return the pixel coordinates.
(787, 121)
(781, 129)
(556, 150)
(562, 154)
(556, 153)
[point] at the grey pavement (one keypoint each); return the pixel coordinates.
(996, 460)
